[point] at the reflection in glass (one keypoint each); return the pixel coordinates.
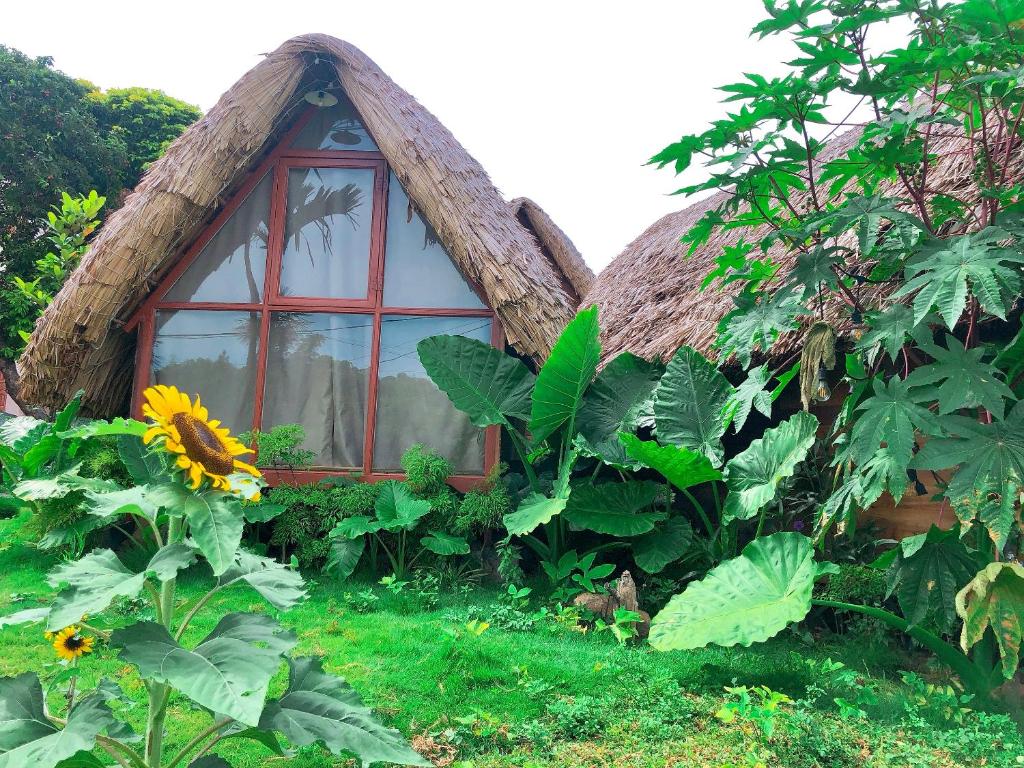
(327, 233)
(418, 272)
(318, 376)
(231, 265)
(212, 354)
(337, 127)
(410, 409)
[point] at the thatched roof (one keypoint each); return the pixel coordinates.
(78, 342)
(650, 298)
(556, 245)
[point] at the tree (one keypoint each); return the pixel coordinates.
(49, 142)
(142, 121)
(919, 278)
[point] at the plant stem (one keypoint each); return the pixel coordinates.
(521, 452)
(974, 678)
(195, 609)
(700, 511)
(212, 729)
(159, 693)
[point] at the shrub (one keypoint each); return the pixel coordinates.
(281, 446)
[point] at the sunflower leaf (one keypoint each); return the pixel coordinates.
(320, 708)
(27, 737)
(279, 585)
(228, 672)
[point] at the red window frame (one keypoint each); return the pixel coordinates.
(278, 162)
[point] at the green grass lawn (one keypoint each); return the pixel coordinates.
(549, 696)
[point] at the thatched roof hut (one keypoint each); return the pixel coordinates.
(650, 298)
(556, 246)
(528, 271)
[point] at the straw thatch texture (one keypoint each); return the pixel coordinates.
(650, 298)
(556, 245)
(77, 342)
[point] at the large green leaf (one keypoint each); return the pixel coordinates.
(665, 544)
(215, 520)
(280, 586)
(565, 375)
(887, 329)
(60, 485)
(355, 527)
(682, 467)
(616, 402)
(228, 672)
(958, 378)
(99, 577)
(534, 510)
(480, 380)
(445, 544)
(396, 507)
(615, 509)
(27, 737)
(750, 395)
(756, 323)
(321, 709)
(926, 574)
(344, 555)
(689, 404)
(994, 599)
(986, 455)
(143, 464)
(753, 476)
(891, 417)
(128, 501)
(744, 600)
(946, 271)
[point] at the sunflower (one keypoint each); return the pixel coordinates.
(70, 643)
(204, 448)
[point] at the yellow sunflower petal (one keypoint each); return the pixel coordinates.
(243, 467)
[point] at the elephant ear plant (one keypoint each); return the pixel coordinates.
(567, 412)
(194, 507)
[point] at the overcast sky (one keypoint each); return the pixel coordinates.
(562, 101)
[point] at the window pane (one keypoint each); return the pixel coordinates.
(337, 127)
(210, 354)
(318, 376)
(418, 272)
(327, 232)
(230, 267)
(410, 409)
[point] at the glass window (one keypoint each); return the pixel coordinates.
(337, 127)
(410, 409)
(230, 267)
(318, 376)
(418, 272)
(327, 233)
(213, 354)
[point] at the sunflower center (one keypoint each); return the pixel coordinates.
(202, 444)
(74, 642)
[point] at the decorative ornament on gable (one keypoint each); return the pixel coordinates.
(321, 97)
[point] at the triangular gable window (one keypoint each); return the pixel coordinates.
(304, 303)
(231, 266)
(418, 272)
(335, 128)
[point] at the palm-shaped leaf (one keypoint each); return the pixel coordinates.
(994, 600)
